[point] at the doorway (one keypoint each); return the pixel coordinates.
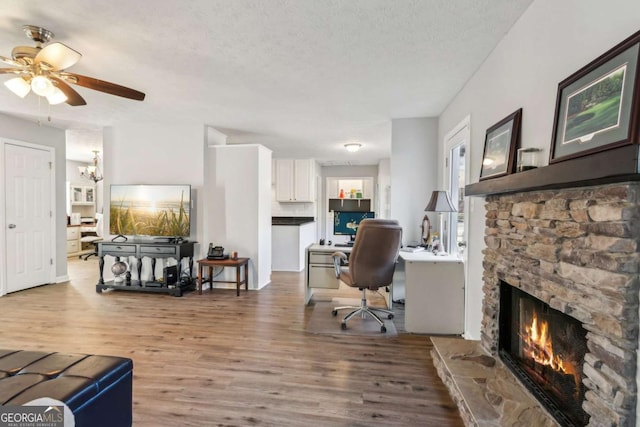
(455, 178)
(28, 231)
(351, 194)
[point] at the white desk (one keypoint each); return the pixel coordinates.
(434, 293)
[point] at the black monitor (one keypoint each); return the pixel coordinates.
(346, 223)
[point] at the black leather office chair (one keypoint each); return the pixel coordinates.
(372, 263)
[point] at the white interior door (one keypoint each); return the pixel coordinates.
(28, 216)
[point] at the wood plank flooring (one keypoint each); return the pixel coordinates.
(222, 360)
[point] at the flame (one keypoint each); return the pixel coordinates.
(538, 346)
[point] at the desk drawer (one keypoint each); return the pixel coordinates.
(117, 249)
(320, 258)
(323, 277)
(72, 246)
(158, 250)
(73, 233)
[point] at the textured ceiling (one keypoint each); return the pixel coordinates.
(302, 77)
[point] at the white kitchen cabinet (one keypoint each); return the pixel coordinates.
(241, 220)
(434, 293)
(83, 195)
(294, 180)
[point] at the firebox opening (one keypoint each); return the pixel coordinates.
(545, 349)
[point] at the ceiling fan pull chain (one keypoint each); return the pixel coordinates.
(39, 109)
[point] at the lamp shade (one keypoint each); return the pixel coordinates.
(42, 86)
(440, 202)
(19, 86)
(56, 97)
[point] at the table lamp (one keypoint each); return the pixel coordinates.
(440, 202)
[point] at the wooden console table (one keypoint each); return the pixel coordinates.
(237, 263)
(140, 249)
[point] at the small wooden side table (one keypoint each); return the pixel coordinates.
(237, 263)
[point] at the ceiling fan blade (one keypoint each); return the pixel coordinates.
(10, 61)
(73, 98)
(58, 56)
(103, 86)
(10, 71)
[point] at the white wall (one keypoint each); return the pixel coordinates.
(26, 131)
(548, 43)
(383, 201)
(73, 174)
(156, 153)
(239, 206)
(414, 159)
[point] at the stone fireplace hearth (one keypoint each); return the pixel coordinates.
(577, 251)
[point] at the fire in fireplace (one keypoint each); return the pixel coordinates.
(545, 350)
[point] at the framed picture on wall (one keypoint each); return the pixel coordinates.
(500, 144)
(597, 106)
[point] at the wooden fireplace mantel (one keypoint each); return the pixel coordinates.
(611, 166)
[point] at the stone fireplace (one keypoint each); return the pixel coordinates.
(576, 251)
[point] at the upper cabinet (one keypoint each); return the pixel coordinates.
(294, 180)
(83, 194)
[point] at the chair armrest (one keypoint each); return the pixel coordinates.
(338, 257)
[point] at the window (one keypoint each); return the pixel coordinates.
(456, 170)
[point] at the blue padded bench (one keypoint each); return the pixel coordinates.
(97, 389)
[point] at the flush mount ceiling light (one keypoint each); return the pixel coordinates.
(42, 70)
(352, 147)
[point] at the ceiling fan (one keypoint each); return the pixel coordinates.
(43, 70)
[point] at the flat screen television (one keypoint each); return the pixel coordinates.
(150, 210)
(346, 223)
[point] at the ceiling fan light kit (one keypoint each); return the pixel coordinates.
(56, 97)
(43, 71)
(19, 86)
(41, 85)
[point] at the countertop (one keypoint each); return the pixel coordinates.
(428, 256)
(291, 220)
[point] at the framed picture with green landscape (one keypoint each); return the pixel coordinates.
(597, 106)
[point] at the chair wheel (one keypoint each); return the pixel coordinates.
(334, 313)
(343, 325)
(390, 316)
(383, 329)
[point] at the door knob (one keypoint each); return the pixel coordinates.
(12, 226)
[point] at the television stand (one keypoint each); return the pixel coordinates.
(154, 250)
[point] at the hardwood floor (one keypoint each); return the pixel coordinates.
(218, 359)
